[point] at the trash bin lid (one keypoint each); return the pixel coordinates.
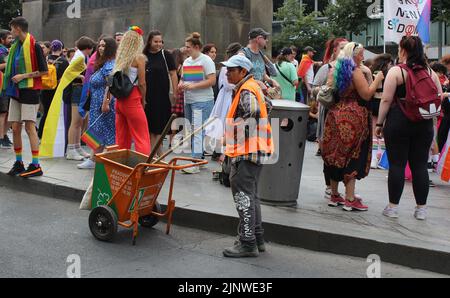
(284, 104)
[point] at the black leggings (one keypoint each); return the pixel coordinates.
(407, 141)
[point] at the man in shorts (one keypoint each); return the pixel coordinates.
(5, 44)
(26, 64)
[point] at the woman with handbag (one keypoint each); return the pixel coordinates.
(160, 76)
(287, 74)
(346, 148)
(131, 122)
(102, 112)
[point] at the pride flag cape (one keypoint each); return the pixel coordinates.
(304, 66)
(193, 73)
(27, 63)
(53, 141)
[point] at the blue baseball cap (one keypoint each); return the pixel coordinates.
(238, 61)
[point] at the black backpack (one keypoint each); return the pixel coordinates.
(120, 85)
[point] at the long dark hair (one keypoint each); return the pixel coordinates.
(108, 54)
(148, 45)
(413, 47)
(381, 63)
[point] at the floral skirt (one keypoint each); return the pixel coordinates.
(347, 142)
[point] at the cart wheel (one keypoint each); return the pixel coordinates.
(149, 221)
(103, 223)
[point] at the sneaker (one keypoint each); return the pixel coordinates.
(83, 153)
(430, 167)
(319, 153)
(335, 201)
(328, 193)
(355, 205)
(7, 140)
(4, 145)
(88, 164)
(391, 212)
(17, 169)
(241, 250)
(432, 184)
(420, 213)
(32, 171)
(192, 170)
(74, 155)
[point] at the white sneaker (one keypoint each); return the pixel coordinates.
(88, 164)
(74, 155)
(391, 212)
(193, 170)
(420, 213)
(83, 153)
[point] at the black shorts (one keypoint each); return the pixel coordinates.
(29, 96)
(375, 106)
(4, 104)
(76, 94)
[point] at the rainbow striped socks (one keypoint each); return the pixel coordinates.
(35, 159)
(18, 152)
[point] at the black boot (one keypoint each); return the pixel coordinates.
(241, 250)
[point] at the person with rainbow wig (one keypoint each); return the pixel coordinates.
(346, 148)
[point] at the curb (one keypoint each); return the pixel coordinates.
(315, 240)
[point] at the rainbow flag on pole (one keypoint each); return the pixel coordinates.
(193, 73)
(93, 138)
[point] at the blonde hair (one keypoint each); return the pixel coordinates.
(131, 46)
(351, 50)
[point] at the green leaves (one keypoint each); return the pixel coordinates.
(297, 28)
(9, 9)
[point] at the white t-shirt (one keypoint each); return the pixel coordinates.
(195, 71)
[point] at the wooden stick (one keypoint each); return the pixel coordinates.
(161, 138)
(184, 140)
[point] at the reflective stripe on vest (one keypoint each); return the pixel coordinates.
(259, 131)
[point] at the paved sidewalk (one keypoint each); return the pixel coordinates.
(205, 204)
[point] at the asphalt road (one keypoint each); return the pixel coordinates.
(45, 237)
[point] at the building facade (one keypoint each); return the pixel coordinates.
(219, 21)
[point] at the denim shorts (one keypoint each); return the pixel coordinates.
(76, 95)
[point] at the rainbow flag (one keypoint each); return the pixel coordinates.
(193, 73)
(92, 139)
(423, 26)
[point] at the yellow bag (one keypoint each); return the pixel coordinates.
(50, 81)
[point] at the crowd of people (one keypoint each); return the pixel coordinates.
(368, 114)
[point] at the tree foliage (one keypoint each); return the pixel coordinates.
(347, 16)
(298, 28)
(9, 9)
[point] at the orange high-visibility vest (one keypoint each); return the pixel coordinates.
(259, 137)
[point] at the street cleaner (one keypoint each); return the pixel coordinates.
(248, 138)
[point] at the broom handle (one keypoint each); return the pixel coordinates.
(184, 140)
(161, 138)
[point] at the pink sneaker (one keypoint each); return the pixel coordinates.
(355, 205)
(336, 201)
